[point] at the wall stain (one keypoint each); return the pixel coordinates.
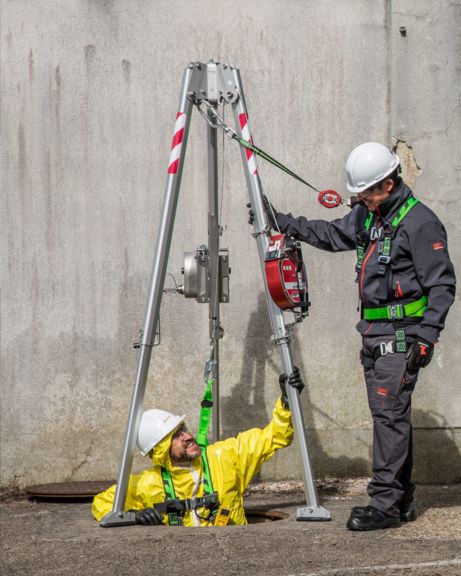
(21, 153)
(126, 67)
(31, 66)
(57, 79)
(90, 53)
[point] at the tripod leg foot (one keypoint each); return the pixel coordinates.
(313, 514)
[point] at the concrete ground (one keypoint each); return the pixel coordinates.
(44, 538)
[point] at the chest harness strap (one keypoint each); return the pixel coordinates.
(176, 508)
(383, 232)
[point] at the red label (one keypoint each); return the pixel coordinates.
(437, 246)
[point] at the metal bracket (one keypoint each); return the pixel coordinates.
(313, 514)
(113, 519)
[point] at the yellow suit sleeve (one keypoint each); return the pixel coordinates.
(257, 445)
(135, 499)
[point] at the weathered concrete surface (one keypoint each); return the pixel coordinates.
(43, 539)
(89, 96)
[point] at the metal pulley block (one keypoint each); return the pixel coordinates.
(195, 272)
(197, 278)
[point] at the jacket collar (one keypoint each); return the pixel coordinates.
(400, 195)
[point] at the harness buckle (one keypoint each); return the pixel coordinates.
(395, 311)
(386, 348)
(384, 259)
(376, 233)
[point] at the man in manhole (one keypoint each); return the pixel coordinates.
(198, 485)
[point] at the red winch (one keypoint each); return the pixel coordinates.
(286, 273)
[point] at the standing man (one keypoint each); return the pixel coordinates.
(406, 285)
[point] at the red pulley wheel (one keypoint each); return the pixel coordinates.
(286, 273)
(329, 198)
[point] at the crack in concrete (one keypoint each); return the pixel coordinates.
(410, 168)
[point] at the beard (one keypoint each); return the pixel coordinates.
(186, 454)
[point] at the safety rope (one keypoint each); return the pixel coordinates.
(258, 151)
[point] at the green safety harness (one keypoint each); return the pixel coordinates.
(176, 508)
(384, 235)
(394, 311)
(172, 506)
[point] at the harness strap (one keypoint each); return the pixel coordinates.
(361, 245)
(205, 411)
(397, 311)
(175, 508)
(174, 517)
(403, 211)
(207, 482)
(181, 506)
(384, 235)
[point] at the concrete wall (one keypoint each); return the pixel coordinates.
(89, 96)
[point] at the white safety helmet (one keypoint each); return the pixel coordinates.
(368, 164)
(154, 426)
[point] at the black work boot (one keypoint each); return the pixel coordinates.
(370, 518)
(407, 513)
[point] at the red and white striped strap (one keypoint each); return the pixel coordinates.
(246, 135)
(177, 143)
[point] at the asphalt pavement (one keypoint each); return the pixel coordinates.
(44, 538)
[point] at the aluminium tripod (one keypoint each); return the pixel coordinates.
(206, 271)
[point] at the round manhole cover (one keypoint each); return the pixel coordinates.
(68, 490)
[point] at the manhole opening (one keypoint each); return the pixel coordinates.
(260, 516)
(86, 490)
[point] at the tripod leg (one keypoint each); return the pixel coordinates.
(280, 334)
(213, 269)
(118, 516)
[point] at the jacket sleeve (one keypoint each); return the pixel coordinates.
(257, 445)
(335, 236)
(436, 275)
(142, 492)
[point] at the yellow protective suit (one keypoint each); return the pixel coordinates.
(232, 462)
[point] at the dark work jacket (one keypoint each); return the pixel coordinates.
(420, 264)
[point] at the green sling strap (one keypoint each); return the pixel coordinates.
(205, 412)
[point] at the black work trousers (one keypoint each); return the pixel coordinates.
(389, 389)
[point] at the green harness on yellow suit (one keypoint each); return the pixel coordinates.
(233, 463)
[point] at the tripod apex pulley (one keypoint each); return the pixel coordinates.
(206, 270)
